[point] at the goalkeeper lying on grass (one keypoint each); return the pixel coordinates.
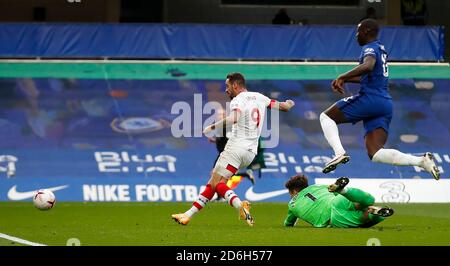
(333, 205)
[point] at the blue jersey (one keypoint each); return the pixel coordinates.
(373, 104)
(375, 82)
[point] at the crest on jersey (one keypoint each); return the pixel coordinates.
(369, 51)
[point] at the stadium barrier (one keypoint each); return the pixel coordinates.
(159, 189)
(230, 42)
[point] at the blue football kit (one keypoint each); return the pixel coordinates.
(373, 103)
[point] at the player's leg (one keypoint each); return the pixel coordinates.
(374, 215)
(353, 207)
(355, 195)
(221, 188)
(227, 165)
(203, 199)
(371, 220)
(232, 198)
(248, 174)
(329, 119)
(215, 161)
(375, 141)
(344, 214)
(368, 219)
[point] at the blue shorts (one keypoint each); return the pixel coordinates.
(375, 111)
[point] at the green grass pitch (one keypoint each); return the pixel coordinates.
(217, 225)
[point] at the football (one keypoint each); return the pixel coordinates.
(44, 199)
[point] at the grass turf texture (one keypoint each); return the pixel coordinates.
(150, 224)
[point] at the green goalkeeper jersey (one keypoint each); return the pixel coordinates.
(312, 204)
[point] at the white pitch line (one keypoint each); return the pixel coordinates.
(19, 240)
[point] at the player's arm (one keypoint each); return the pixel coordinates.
(291, 219)
(354, 80)
(366, 67)
(282, 106)
(355, 74)
(232, 118)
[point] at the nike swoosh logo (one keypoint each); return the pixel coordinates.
(252, 196)
(13, 194)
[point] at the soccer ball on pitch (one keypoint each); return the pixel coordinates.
(44, 199)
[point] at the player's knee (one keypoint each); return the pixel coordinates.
(213, 182)
(372, 151)
(336, 201)
(323, 117)
(213, 186)
(370, 200)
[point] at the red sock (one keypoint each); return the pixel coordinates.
(225, 192)
(221, 189)
(204, 197)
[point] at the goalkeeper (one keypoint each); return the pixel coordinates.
(333, 205)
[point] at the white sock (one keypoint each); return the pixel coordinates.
(193, 210)
(331, 132)
(201, 201)
(236, 202)
(343, 191)
(395, 157)
(374, 209)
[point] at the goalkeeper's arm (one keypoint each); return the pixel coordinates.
(291, 219)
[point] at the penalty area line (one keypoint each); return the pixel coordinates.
(19, 240)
